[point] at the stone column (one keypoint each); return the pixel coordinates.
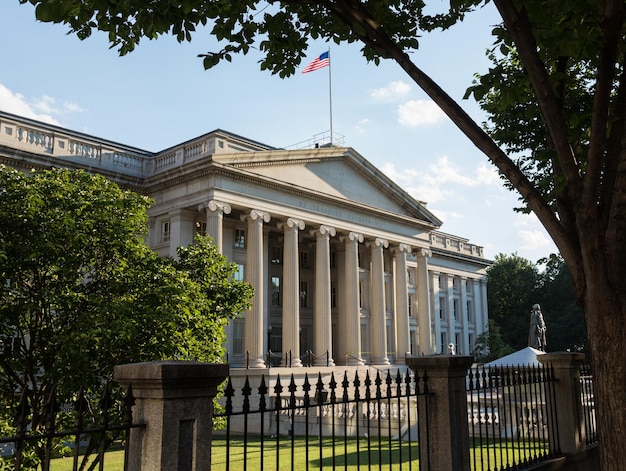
(175, 401)
(378, 319)
(181, 230)
(443, 428)
(254, 276)
(215, 211)
(322, 321)
(291, 292)
(352, 314)
(464, 348)
(401, 314)
(565, 402)
(426, 344)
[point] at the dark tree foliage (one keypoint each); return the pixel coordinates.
(511, 291)
(561, 311)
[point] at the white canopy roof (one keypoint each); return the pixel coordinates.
(524, 357)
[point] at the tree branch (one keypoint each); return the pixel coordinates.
(611, 26)
(519, 26)
(355, 13)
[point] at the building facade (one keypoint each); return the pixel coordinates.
(347, 268)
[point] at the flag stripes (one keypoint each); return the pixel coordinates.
(318, 63)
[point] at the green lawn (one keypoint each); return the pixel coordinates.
(349, 455)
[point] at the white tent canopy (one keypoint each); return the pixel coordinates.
(524, 357)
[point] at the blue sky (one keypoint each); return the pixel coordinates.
(160, 95)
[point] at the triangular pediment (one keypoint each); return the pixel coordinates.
(336, 172)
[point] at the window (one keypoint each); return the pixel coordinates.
(277, 254)
(201, 227)
(276, 291)
(455, 283)
(410, 277)
(304, 294)
(468, 286)
(455, 309)
(165, 231)
(410, 305)
(442, 307)
(333, 294)
(333, 259)
(304, 259)
(240, 239)
(442, 281)
(240, 273)
(361, 293)
(470, 313)
(238, 335)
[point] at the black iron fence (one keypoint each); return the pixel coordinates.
(332, 422)
(587, 400)
(359, 419)
(512, 416)
(82, 431)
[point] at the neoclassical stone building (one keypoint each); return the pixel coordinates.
(348, 269)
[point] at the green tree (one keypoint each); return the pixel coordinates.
(567, 75)
(81, 291)
(511, 291)
(490, 344)
(564, 317)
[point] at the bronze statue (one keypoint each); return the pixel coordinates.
(537, 332)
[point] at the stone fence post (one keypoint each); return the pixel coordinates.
(174, 399)
(566, 402)
(443, 428)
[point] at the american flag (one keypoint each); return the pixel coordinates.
(319, 63)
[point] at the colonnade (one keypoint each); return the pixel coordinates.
(348, 327)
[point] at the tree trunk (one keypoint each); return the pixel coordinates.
(605, 312)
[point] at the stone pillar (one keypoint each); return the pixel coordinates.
(352, 314)
(443, 428)
(426, 344)
(322, 321)
(175, 401)
(465, 347)
(181, 230)
(401, 314)
(291, 292)
(215, 211)
(254, 276)
(378, 319)
(566, 403)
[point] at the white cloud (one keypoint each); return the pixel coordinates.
(419, 112)
(441, 180)
(42, 109)
(72, 107)
(392, 91)
(534, 240)
(360, 126)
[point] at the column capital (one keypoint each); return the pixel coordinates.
(378, 242)
(215, 206)
(426, 253)
(324, 230)
(351, 237)
(401, 248)
(256, 214)
(291, 223)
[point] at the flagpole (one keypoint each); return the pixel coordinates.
(330, 96)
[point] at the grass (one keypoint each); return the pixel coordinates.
(351, 454)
